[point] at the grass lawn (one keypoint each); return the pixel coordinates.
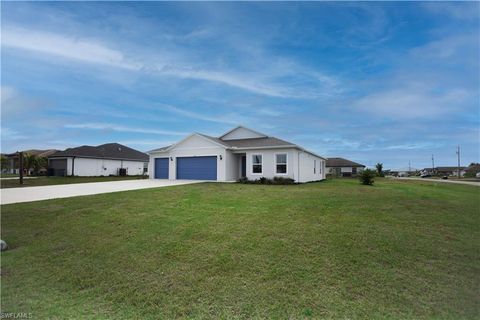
(334, 249)
(47, 181)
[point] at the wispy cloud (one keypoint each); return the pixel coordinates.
(121, 128)
(62, 46)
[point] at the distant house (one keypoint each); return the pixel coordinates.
(14, 163)
(445, 171)
(472, 169)
(103, 160)
(341, 167)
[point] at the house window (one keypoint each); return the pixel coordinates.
(354, 170)
(281, 163)
(257, 163)
(314, 166)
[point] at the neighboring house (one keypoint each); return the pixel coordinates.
(241, 152)
(472, 169)
(14, 163)
(445, 171)
(104, 160)
(341, 167)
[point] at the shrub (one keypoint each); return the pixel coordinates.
(282, 180)
(366, 177)
(263, 180)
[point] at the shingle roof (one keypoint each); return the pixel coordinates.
(258, 142)
(104, 151)
(474, 167)
(263, 142)
(340, 162)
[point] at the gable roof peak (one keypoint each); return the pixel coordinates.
(260, 135)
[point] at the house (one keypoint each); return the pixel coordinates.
(240, 152)
(444, 171)
(472, 170)
(103, 160)
(14, 163)
(341, 167)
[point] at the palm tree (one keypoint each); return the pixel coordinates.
(29, 162)
(379, 167)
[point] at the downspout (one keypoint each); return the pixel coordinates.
(73, 166)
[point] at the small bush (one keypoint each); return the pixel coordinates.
(366, 177)
(263, 180)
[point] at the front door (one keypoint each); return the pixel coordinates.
(244, 166)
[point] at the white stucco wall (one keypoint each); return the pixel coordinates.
(269, 165)
(307, 165)
(194, 146)
(88, 167)
(241, 133)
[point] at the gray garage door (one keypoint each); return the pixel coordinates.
(57, 167)
(197, 168)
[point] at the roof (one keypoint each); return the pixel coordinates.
(474, 167)
(35, 152)
(341, 162)
(104, 151)
(249, 143)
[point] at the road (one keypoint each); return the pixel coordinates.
(470, 183)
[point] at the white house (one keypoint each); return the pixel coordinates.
(241, 152)
(104, 160)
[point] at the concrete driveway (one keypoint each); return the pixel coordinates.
(28, 194)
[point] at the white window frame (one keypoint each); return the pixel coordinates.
(251, 167)
(286, 163)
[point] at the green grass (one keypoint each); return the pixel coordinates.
(48, 181)
(334, 249)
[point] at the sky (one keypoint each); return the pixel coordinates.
(388, 82)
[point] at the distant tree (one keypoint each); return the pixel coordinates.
(39, 163)
(4, 163)
(366, 177)
(28, 162)
(379, 167)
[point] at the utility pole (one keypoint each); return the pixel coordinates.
(433, 165)
(409, 167)
(20, 156)
(458, 158)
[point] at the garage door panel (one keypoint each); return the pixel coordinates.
(161, 168)
(197, 168)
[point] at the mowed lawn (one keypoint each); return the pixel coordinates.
(48, 181)
(334, 249)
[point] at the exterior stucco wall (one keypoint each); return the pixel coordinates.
(88, 167)
(232, 166)
(311, 168)
(241, 133)
(105, 167)
(194, 146)
(269, 165)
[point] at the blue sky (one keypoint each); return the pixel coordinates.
(372, 82)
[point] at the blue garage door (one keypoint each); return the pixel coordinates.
(161, 168)
(197, 168)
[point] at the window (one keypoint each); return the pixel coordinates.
(314, 166)
(281, 163)
(354, 170)
(257, 163)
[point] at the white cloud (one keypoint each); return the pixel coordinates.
(411, 102)
(172, 64)
(67, 47)
(120, 128)
(227, 118)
